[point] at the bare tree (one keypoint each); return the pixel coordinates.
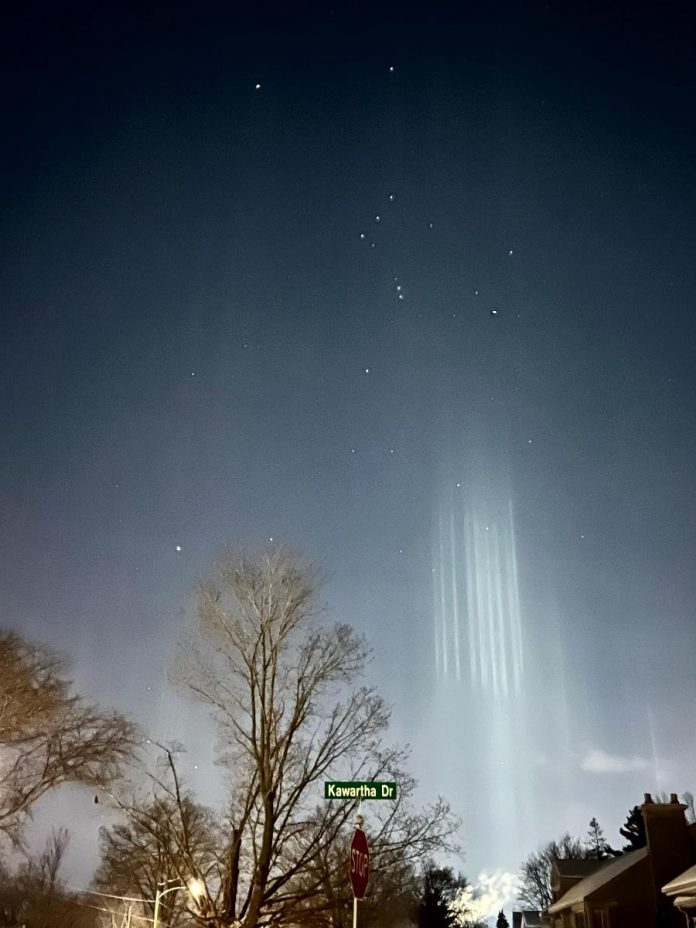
(283, 691)
(536, 870)
(33, 895)
(167, 838)
(48, 735)
(51, 858)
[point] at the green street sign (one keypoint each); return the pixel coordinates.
(367, 789)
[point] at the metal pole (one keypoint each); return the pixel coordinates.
(358, 824)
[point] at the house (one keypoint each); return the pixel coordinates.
(630, 891)
(528, 918)
(682, 890)
(567, 873)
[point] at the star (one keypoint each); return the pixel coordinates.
(510, 252)
(391, 197)
(257, 86)
(391, 69)
(178, 549)
(378, 219)
(362, 235)
(494, 312)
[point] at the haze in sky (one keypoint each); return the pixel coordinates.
(410, 290)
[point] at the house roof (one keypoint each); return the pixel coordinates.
(609, 871)
(684, 883)
(577, 867)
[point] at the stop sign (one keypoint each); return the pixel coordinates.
(359, 863)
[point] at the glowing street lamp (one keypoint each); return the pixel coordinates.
(195, 887)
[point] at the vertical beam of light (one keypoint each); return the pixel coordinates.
(476, 583)
(500, 615)
(455, 595)
(477, 606)
(653, 744)
(443, 602)
(480, 609)
(515, 613)
(471, 599)
(490, 618)
(437, 618)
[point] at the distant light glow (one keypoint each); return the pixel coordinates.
(493, 891)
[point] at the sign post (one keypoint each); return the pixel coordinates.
(359, 865)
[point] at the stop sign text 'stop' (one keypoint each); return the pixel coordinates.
(359, 864)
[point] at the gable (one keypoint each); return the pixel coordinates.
(599, 879)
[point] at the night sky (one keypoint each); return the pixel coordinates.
(411, 290)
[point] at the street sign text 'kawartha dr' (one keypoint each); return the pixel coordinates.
(359, 790)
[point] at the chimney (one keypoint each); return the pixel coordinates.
(668, 845)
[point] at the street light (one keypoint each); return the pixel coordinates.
(195, 888)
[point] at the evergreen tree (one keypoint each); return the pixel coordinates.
(634, 830)
(440, 886)
(597, 845)
(502, 921)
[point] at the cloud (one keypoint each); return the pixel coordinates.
(494, 890)
(598, 761)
